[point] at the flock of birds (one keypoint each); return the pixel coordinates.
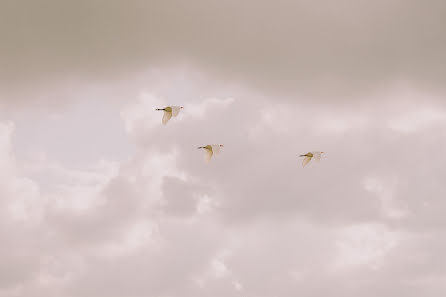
(212, 149)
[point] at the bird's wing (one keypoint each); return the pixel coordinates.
(175, 110)
(317, 156)
(208, 154)
(305, 161)
(216, 148)
(166, 117)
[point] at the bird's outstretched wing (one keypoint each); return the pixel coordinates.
(208, 154)
(215, 148)
(166, 117)
(306, 161)
(317, 156)
(176, 110)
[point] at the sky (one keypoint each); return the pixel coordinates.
(99, 199)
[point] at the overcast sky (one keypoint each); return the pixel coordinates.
(99, 199)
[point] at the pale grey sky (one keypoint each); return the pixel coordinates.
(99, 199)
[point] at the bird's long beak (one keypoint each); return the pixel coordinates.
(181, 107)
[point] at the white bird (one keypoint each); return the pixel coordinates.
(210, 150)
(308, 156)
(169, 111)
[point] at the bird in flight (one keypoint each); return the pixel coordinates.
(169, 111)
(308, 156)
(210, 150)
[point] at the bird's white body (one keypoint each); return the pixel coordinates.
(210, 150)
(310, 155)
(169, 112)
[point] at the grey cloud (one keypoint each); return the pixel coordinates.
(165, 271)
(179, 198)
(322, 48)
(19, 265)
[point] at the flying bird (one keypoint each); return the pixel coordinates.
(169, 111)
(308, 156)
(210, 150)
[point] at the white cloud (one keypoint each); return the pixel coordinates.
(385, 189)
(252, 223)
(142, 115)
(364, 245)
(419, 120)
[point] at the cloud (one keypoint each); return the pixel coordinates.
(99, 199)
(252, 221)
(321, 49)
